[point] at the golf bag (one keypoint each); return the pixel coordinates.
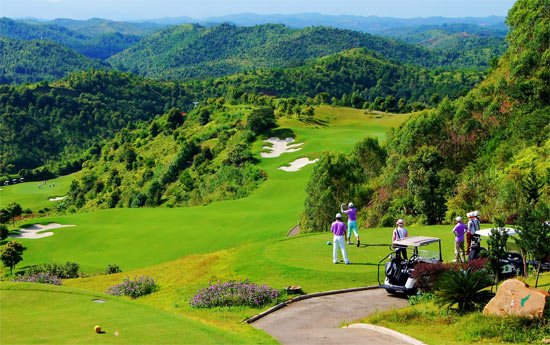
(397, 271)
(475, 248)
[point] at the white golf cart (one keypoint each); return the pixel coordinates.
(398, 268)
(512, 265)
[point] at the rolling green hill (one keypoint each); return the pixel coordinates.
(191, 51)
(33, 61)
(100, 26)
(99, 46)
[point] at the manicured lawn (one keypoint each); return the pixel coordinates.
(28, 195)
(134, 238)
(42, 314)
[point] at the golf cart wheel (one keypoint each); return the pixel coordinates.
(411, 292)
(390, 291)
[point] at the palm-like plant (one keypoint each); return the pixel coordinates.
(465, 288)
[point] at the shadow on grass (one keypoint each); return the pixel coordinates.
(313, 121)
(282, 133)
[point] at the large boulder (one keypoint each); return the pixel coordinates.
(514, 297)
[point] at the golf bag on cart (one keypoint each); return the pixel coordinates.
(476, 248)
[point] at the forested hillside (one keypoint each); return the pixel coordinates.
(33, 61)
(179, 159)
(192, 51)
(99, 26)
(59, 121)
(478, 152)
(99, 46)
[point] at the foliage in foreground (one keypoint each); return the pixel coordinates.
(137, 287)
(234, 293)
(464, 288)
(439, 326)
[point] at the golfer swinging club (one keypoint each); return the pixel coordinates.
(338, 228)
(352, 221)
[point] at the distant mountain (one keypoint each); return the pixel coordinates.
(193, 51)
(370, 24)
(467, 44)
(100, 46)
(99, 26)
(32, 61)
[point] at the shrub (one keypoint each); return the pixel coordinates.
(3, 232)
(424, 297)
(40, 277)
(134, 288)
(464, 288)
(234, 293)
(112, 269)
(426, 274)
(67, 270)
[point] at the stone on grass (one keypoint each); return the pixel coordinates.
(514, 297)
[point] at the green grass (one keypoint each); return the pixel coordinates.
(28, 195)
(42, 314)
(134, 238)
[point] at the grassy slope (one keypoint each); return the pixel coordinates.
(28, 195)
(63, 315)
(135, 238)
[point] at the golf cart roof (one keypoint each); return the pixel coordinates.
(416, 241)
(487, 232)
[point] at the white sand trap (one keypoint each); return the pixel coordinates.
(279, 146)
(298, 164)
(58, 198)
(32, 231)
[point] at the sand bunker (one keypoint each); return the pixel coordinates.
(32, 231)
(298, 164)
(279, 146)
(58, 198)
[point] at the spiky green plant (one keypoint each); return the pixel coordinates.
(464, 288)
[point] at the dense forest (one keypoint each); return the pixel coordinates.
(32, 61)
(99, 46)
(482, 151)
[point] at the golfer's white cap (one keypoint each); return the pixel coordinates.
(400, 222)
(350, 204)
(476, 213)
(458, 219)
(470, 214)
(338, 215)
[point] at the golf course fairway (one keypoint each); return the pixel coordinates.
(133, 238)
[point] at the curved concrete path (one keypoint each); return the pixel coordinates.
(319, 320)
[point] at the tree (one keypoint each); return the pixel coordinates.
(13, 210)
(497, 248)
(332, 182)
(12, 254)
(261, 120)
(371, 157)
(175, 117)
(3, 232)
(425, 182)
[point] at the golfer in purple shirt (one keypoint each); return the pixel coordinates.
(338, 228)
(352, 222)
(459, 231)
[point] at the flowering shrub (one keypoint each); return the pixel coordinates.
(234, 293)
(40, 277)
(426, 274)
(68, 270)
(133, 288)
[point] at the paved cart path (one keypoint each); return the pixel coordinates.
(319, 320)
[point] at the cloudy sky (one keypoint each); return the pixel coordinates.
(144, 9)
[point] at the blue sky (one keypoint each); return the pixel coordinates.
(143, 9)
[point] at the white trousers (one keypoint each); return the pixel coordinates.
(339, 241)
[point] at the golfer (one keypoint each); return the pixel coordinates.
(399, 233)
(352, 222)
(473, 227)
(459, 230)
(338, 228)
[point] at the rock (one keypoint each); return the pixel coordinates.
(514, 297)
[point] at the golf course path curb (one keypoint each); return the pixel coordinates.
(303, 297)
(402, 337)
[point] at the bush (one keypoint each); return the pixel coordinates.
(423, 297)
(40, 277)
(3, 232)
(464, 288)
(133, 288)
(112, 269)
(234, 293)
(68, 270)
(426, 274)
